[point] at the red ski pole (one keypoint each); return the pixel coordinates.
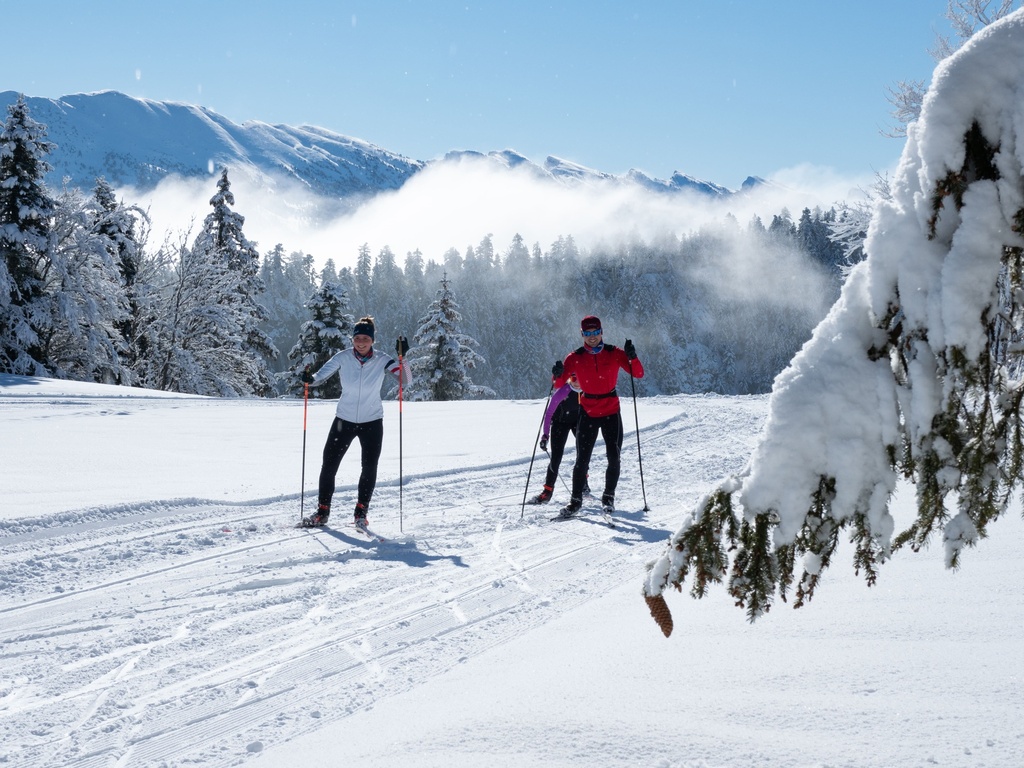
(400, 348)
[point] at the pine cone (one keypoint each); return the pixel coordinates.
(659, 610)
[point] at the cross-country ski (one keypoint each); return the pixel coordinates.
(604, 517)
(363, 529)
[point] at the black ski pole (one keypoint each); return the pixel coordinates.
(302, 487)
(636, 418)
(529, 472)
(565, 485)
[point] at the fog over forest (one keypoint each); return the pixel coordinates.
(719, 293)
(206, 285)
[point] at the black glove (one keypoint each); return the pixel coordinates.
(630, 350)
(306, 376)
(557, 368)
(402, 346)
(544, 443)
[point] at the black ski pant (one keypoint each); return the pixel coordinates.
(559, 435)
(610, 428)
(371, 437)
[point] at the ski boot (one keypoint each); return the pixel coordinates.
(607, 504)
(319, 518)
(543, 497)
(570, 509)
(359, 517)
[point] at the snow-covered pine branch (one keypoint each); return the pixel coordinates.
(915, 373)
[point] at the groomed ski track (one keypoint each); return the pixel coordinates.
(224, 627)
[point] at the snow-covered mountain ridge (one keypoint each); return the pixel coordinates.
(138, 142)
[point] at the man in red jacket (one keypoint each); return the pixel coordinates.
(596, 367)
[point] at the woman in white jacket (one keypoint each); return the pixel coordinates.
(360, 414)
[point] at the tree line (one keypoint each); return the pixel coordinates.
(85, 295)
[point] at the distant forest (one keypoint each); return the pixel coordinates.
(85, 295)
(720, 310)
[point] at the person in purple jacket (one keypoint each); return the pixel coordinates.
(560, 418)
(360, 415)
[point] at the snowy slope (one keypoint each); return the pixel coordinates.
(158, 609)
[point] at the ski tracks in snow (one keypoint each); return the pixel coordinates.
(197, 632)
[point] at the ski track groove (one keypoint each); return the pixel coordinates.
(269, 625)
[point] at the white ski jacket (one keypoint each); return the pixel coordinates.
(361, 380)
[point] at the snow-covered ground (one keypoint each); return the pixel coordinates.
(157, 608)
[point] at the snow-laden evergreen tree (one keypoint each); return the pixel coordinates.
(320, 338)
(443, 356)
(85, 292)
(389, 296)
(124, 229)
(222, 243)
(418, 292)
(197, 342)
(814, 234)
(345, 278)
(363, 296)
(288, 281)
(26, 211)
(517, 257)
(483, 294)
(916, 374)
(155, 285)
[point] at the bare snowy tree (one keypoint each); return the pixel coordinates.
(965, 17)
(850, 227)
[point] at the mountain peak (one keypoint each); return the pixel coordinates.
(138, 142)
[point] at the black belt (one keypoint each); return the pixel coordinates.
(589, 396)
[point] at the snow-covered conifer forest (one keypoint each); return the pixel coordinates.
(92, 293)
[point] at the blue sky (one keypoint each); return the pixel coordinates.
(719, 90)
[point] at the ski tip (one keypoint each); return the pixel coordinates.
(564, 517)
(365, 530)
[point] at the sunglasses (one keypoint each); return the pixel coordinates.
(595, 332)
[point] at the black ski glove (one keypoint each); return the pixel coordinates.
(629, 349)
(307, 376)
(544, 443)
(557, 368)
(402, 346)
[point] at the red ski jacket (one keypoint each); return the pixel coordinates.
(597, 374)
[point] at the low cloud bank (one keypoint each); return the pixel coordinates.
(455, 204)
